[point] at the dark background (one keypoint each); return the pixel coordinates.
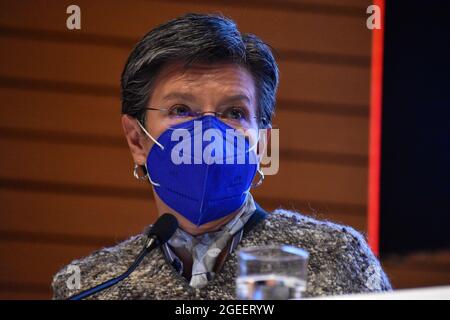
(415, 179)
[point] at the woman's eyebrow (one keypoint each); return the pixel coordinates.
(180, 95)
(190, 97)
(237, 97)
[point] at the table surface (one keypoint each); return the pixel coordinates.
(432, 293)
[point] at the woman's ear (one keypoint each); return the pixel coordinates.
(136, 139)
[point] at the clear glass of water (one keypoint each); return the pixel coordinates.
(271, 273)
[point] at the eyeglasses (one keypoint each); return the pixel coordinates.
(235, 117)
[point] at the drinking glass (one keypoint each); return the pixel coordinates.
(271, 273)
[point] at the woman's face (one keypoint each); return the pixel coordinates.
(203, 88)
(220, 88)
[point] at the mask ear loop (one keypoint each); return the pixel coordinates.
(150, 136)
(145, 165)
(150, 179)
(255, 185)
(261, 174)
(260, 181)
(261, 178)
(253, 146)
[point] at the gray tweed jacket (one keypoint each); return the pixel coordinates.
(340, 263)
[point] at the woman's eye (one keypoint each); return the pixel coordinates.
(179, 110)
(235, 114)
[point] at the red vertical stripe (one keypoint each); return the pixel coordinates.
(376, 87)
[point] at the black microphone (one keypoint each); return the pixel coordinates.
(159, 233)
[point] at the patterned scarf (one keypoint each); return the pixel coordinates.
(205, 248)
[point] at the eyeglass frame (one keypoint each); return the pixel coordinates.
(198, 114)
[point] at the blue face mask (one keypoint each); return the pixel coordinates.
(201, 171)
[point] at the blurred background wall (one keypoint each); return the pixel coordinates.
(66, 184)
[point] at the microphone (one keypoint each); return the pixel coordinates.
(159, 233)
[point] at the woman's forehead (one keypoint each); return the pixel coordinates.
(219, 79)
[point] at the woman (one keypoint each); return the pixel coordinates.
(189, 77)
